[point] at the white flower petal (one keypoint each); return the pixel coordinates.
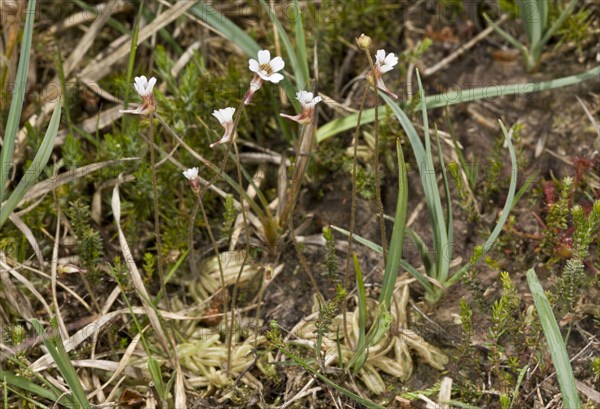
(380, 56)
(228, 113)
(385, 68)
(225, 116)
(191, 173)
(316, 100)
(253, 65)
(217, 114)
(264, 56)
(391, 59)
(277, 64)
(143, 81)
(275, 78)
(304, 97)
(263, 74)
(150, 86)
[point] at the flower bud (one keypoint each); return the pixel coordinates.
(364, 42)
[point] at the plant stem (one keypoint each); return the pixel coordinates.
(216, 250)
(352, 210)
(159, 257)
(246, 254)
(376, 166)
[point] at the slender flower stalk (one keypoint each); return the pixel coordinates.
(144, 88)
(265, 69)
(225, 117)
(383, 64)
(308, 102)
(192, 176)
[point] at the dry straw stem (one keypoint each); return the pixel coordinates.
(28, 284)
(376, 161)
(64, 334)
(156, 210)
(15, 297)
(136, 277)
(303, 157)
(85, 16)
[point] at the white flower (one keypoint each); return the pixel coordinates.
(306, 99)
(383, 64)
(143, 86)
(191, 173)
(308, 102)
(144, 89)
(225, 117)
(265, 69)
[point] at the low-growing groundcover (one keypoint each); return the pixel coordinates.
(300, 204)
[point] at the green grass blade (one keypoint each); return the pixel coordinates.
(434, 202)
(131, 61)
(301, 43)
(301, 80)
(359, 239)
(511, 191)
(392, 266)
(528, 182)
(16, 104)
(38, 164)
(558, 350)
(397, 241)
(156, 375)
(226, 27)
(65, 92)
(449, 248)
(63, 362)
(513, 41)
(453, 97)
(532, 20)
(543, 6)
(27, 385)
(362, 312)
(422, 247)
(557, 23)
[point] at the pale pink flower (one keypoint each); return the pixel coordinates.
(383, 64)
(144, 89)
(192, 175)
(225, 117)
(265, 69)
(308, 102)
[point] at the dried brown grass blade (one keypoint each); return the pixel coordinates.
(104, 62)
(20, 224)
(49, 185)
(29, 285)
(53, 269)
(136, 277)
